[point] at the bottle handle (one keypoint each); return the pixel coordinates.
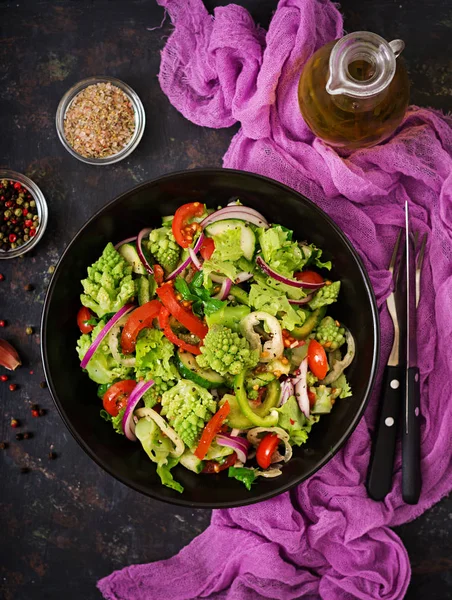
(397, 47)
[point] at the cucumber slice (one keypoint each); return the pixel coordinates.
(189, 369)
(191, 462)
(130, 254)
(143, 291)
(247, 237)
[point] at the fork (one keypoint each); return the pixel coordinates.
(381, 464)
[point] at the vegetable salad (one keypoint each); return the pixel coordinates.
(210, 341)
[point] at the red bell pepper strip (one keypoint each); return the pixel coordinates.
(211, 430)
(171, 336)
(140, 318)
(185, 317)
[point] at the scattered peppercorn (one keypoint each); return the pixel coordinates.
(15, 423)
(4, 377)
(28, 287)
(2, 323)
(34, 407)
(42, 412)
(3, 445)
(52, 455)
(19, 436)
(29, 330)
(28, 435)
(24, 470)
(43, 384)
(13, 387)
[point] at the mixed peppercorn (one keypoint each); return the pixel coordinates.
(19, 218)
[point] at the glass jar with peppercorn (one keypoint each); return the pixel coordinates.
(23, 214)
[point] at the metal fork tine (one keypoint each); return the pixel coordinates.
(420, 258)
(395, 252)
(400, 266)
(419, 263)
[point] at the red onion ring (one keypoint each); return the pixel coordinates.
(224, 291)
(140, 237)
(194, 259)
(301, 388)
(287, 391)
(126, 241)
(128, 425)
(302, 301)
(293, 282)
(104, 331)
(236, 212)
(178, 270)
(238, 444)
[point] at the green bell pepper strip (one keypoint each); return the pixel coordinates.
(302, 332)
(263, 415)
(240, 295)
(228, 316)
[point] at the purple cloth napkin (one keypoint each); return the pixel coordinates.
(325, 539)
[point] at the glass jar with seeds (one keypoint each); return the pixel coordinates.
(23, 214)
(100, 120)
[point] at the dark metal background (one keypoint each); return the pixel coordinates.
(66, 523)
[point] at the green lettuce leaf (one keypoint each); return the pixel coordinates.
(294, 422)
(220, 267)
(263, 297)
(246, 476)
(342, 384)
(312, 256)
(115, 421)
(227, 245)
(279, 252)
(158, 448)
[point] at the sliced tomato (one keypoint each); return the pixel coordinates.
(185, 317)
(140, 318)
(213, 466)
(309, 277)
(207, 248)
(312, 398)
(265, 450)
(164, 323)
(115, 398)
(159, 274)
(83, 315)
(183, 229)
(211, 430)
(317, 360)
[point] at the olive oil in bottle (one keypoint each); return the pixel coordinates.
(354, 92)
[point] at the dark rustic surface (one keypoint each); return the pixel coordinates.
(66, 523)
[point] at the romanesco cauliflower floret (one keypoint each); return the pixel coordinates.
(164, 248)
(326, 295)
(109, 284)
(102, 368)
(225, 351)
(155, 393)
(188, 407)
(330, 334)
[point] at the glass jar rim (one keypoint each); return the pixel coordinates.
(41, 205)
(140, 119)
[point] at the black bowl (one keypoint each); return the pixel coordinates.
(75, 395)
